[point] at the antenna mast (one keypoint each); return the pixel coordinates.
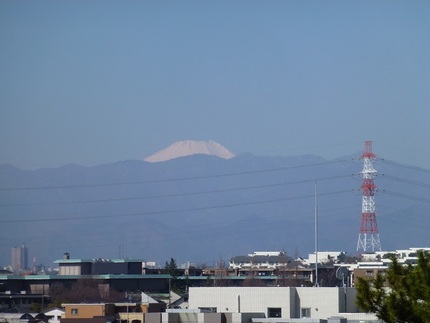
(368, 239)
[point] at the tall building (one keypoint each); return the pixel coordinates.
(24, 257)
(19, 257)
(16, 258)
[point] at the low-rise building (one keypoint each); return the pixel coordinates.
(22, 301)
(280, 302)
(54, 314)
(270, 260)
(100, 266)
(323, 257)
(109, 312)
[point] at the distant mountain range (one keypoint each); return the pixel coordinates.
(207, 205)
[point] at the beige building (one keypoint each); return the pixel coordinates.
(119, 312)
(86, 311)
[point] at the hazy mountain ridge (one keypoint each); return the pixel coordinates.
(200, 208)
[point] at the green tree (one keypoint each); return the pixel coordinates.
(171, 268)
(407, 297)
(176, 285)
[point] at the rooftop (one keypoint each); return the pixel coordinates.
(98, 260)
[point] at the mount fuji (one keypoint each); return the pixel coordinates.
(205, 205)
(188, 148)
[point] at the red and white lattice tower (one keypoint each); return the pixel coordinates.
(368, 239)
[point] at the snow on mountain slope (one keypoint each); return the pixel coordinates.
(188, 148)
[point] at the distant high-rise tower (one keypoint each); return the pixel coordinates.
(16, 258)
(19, 258)
(368, 239)
(24, 257)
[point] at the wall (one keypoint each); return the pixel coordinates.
(243, 317)
(190, 316)
(351, 297)
(152, 317)
(170, 318)
(322, 302)
(75, 268)
(88, 310)
(213, 317)
(131, 316)
(86, 320)
(39, 288)
(252, 299)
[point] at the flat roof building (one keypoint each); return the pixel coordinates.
(99, 266)
(280, 302)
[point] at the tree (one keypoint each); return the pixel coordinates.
(171, 268)
(407, 298)
(83, 290)
(221, 273)
(251, 281)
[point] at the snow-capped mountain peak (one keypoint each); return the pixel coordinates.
(188, 148)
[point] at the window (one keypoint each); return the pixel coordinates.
(305, 312)
(208, 309)
(274, 312)
(74, 311)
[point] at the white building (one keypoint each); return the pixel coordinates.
(403, 256)
(280, 302)
(323, 257)
(54, 314)
(260, 259)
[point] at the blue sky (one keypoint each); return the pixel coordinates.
(90, 82)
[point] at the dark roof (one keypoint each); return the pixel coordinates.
(41, 317)
(99, 260)
(26, 316)
(103, 276)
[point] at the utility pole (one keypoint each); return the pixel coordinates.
(316, 236)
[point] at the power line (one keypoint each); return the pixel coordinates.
(416, 168)
(204, 230)
(27, 188)
(405, 180)
(178, 194)
(406, 196)
(167, 211)
(220, 227)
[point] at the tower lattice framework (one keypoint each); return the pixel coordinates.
(368, 238)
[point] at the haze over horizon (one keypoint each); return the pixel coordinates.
(95, 82)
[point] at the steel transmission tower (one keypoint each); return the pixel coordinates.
(368, 239)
